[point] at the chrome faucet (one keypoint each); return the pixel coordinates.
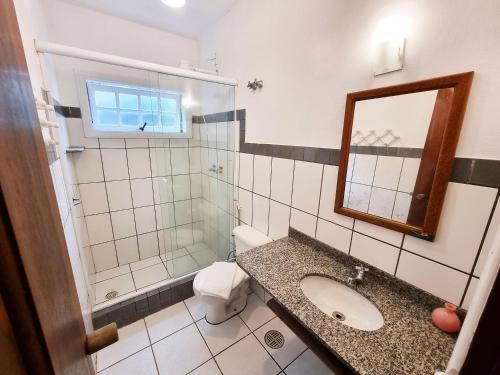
(359, 276)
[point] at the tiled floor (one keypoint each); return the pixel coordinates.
(178, 340)
(145, 273)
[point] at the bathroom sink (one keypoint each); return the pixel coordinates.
(342, 303)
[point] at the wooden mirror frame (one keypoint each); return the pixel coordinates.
(461, 84)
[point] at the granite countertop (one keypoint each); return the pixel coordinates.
(408, 343)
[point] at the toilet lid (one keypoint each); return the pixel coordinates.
(202, 281)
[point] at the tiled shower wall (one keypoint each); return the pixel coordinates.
(275, 193)
(140, 197)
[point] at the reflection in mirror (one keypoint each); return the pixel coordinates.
(386, 155)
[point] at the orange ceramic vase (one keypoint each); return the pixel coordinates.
(446, 319)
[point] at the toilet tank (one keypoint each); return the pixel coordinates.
(246, 237)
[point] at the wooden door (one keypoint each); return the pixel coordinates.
(37, 289)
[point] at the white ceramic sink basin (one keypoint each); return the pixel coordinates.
(342, 303)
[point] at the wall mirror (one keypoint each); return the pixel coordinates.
(398, 148)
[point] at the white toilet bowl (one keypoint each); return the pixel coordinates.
(220, 309)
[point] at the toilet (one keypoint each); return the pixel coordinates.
(223, 286)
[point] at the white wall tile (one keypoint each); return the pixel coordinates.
(99, 228)
(334, 235)
(123, 223)
(262, 177)
(136, 143)
(260, 213)
(222, 164)
(180, 160)
(195, 140)
(279, 220)
(148, 245)
(162, 189)
(380, 233)
(179, 142)
(359, 197)
(246, 171)
(204, 135)
(160, 162)
(182, 187)
(183, 212)
(432, 277)
(364, 169)
(471, 290)
(350, 166)
(196, 207)
(142, 192)
(382, 202)
(165, 215)
(94, 199)
(222, 136)
(245, 201)
(488, 241)
(328, 189)
(115, 164)
(461, 226)
(374, 252)
(306, 186)
(212, 135)
(104, 256)
(111, 143)
(145, 219)
(196, 187)
(212, 163)
(167, 240)
(401, 207)
(139, 163)
(184, 234)
(303, 222)
(409, 175)
(74, 126)
(159, 142)
(387, 172)
(88, 166)
(194, 160)
(119, 195)
(127, 250)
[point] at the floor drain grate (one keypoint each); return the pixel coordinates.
(274, 339)
(112, 294)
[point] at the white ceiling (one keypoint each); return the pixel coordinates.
(189, 20)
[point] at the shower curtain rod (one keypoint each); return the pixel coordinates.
(62, 50)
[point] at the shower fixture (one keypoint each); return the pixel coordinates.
(256, 84)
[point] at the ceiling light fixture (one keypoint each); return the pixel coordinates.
(174, 3)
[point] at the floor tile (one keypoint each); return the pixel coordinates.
(256, 313)
(247, 357)
(150, 275)
(197, 309)
(113, 272)
(182, 266)
(308, 364)
(133, 338)
(181, 352)
(144, 263)
(205, 258)
(208, 368)
(122, 284)
(142, 363)
(218, 337)
(167, 321)
(291, 348)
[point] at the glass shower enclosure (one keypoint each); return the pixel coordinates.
(152, 170)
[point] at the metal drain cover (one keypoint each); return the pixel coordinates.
(274, 339)
(112, 294)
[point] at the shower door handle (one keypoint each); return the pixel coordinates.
(102, 337)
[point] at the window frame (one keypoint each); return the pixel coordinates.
(92, 131)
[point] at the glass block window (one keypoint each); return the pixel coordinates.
(123, 107)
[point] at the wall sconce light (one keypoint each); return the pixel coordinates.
(390, 39)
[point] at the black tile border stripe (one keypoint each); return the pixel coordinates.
(68, 112)
(481, 172)
(143, 305)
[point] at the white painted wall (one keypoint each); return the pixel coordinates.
(311, 53)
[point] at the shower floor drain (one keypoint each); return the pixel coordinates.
(274, 339)
(112, 294)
